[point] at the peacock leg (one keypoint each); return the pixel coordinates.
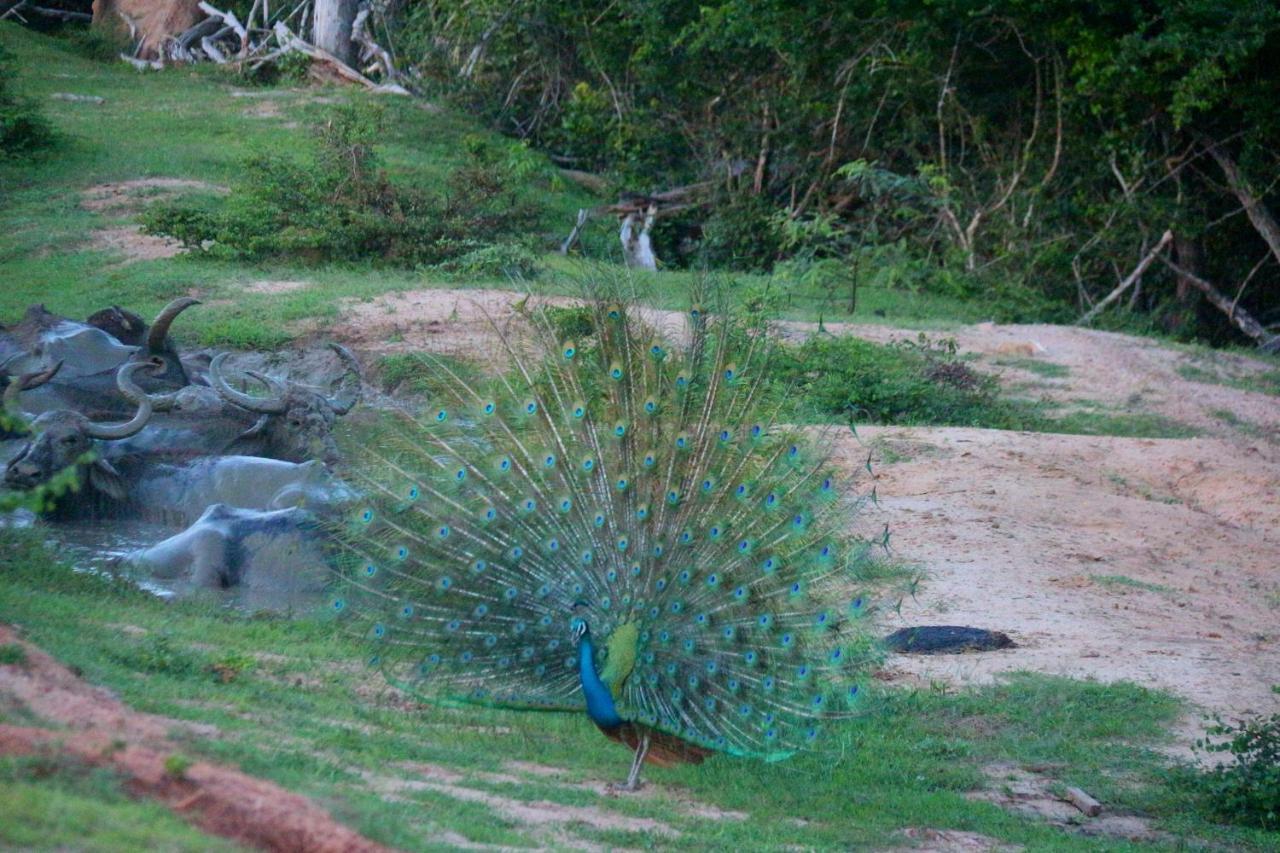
(633, 778)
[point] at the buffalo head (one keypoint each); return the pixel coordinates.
(295, 422)
(62, 438)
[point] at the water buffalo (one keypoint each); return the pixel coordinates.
(92, 354)
(63, 438)
(272, 556)
(294, 422)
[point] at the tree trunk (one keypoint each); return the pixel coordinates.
(332, 29)
(1187, 252)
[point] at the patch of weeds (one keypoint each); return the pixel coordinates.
(415, 373)
(12, 654)
(230, 667)
(340, 205)
(1121, 424)
(1247, 789)
(1047, 369)
(177, 765)
(1241, 425)
(159, 654)
(920, 382)
(23, 128)
(503, 260)
(1265, 382)
(1125, 581)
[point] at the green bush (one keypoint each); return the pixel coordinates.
(918, 382)
(23, 130)
(1246, 791)
(339, 205)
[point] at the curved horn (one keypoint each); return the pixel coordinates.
(25, 382)
(160, 328)
(35, 380)
(272, 405)
(341, 407)
(135, 395)
(114, 432)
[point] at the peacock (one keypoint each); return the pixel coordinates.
(619, 524)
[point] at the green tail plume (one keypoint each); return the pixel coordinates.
(640, 482)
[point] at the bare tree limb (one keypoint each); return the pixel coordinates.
(1262, 220)
(1242, 319)
(1129, 280)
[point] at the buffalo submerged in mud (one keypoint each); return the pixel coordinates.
(244, 475)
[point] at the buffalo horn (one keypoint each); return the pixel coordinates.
(341, 407)
(271, 405)
(135, 395)
(112, 432)
(25, 382)
(160, 328)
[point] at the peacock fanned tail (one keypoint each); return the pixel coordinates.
(642, 483)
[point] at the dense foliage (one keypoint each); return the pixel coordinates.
(1246, 790)
(1028, 153)
(339, 205)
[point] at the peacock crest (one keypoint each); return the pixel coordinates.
(627, 493)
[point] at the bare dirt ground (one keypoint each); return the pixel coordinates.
(1151, 560)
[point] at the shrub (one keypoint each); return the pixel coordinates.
(920, 382)
(1246, 791)
(23, 130)
(340, 206)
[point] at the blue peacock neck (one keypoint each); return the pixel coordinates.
(600, 707)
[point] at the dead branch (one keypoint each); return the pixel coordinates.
(1241, 318)
(1129, 280)
(229, 18)
(60, 14)
(572, 239)
(287, 40)
(370, 49)
(1263, 222)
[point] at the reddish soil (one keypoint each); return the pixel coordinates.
(93, 727)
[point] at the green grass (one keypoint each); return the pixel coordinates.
(1241, 425)
(1215, 369)
(68, 806)
(1114, 581)
(306, 716)
(1040, 367)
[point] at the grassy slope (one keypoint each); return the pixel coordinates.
(189, 124)
(300, 714)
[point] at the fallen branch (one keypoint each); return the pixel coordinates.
(370, 48)
(289, 41)
(60, 14)
(1084, 802)
(143, 64)
(1129, 280)
(229, 18)
(572, 239)
(1241, 318)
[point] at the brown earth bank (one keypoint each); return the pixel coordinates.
(89, 725)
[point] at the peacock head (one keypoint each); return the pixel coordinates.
(578, 627)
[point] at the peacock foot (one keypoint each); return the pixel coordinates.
(628, 787)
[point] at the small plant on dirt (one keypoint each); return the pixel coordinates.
(23, 129)
(340, 205)
(1247, 790)
(12, 654)
(920, 382)
(228, 668)
(177, 765)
